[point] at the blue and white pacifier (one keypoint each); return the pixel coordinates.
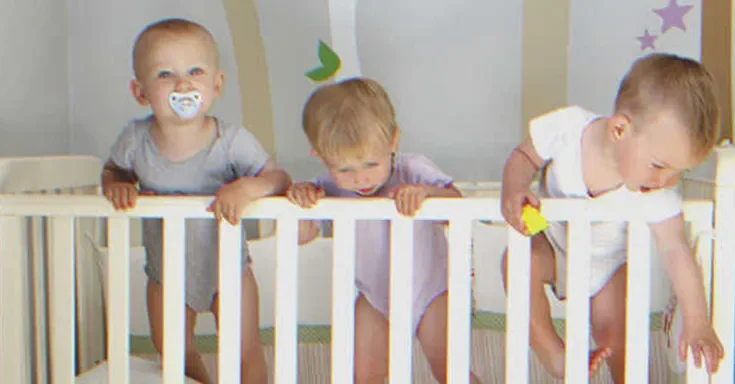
(186, 104)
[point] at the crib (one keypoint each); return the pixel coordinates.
(63, 312)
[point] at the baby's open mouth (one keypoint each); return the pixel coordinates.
(366, 191)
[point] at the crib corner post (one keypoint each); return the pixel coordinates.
(15, 317)
(723, 289)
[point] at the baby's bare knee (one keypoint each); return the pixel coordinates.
(610, 335)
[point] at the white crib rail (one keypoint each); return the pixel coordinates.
(459, 212)
(28, 274)
(723, 288)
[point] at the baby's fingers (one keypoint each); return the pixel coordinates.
(697, 355)
(711, 358)
(533, 200)
(303, 198)
(414, 203)
(402, 205)
(233, 217)
(291, 196)
(514, 218)
(310, 198)
(216, 208)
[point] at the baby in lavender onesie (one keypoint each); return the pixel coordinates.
(351, 126)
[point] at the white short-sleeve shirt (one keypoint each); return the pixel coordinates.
(557, 138)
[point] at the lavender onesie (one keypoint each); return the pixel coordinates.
(373, 241)
(234, 153)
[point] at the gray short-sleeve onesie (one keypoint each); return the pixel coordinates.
(234, 153)
(372, 259)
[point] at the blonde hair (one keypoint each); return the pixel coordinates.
(666, 81)
(171, 27)
(349, 119)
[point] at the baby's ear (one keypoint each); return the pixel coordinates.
(137, 91)
(620, 126)
(219, 83)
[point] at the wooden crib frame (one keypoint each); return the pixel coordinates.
(44, 334)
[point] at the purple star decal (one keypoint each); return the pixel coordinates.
(673, 16)
(647, 40)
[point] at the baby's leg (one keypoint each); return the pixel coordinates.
(371, 344)
(546, 343)
(253, 368)
(432, 334)
(194, 366)
(607, 313)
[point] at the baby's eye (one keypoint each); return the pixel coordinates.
(371, 165)
(196, 71)
(164, 74)
(344, 170)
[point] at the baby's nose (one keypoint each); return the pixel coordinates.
(183, 85)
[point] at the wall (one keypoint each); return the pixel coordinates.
(101, 40)
(98, 64)
(603, 44)
(453, 71)
(34, 112)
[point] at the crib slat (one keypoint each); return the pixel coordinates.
(401, 300)
(518, 308)
(15, 367)
(61, 266)
(343, 301)
(578, 303)
(637, 320)
(287, 368)
(703, 248)
(723, 298)
(118, 306)
(230, 303)
(38, 265)
(174, 310)
(460, 301)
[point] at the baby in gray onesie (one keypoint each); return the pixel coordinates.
(181, 150)
(234, 153)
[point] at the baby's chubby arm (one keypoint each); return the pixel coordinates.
(681, 265)
(272, 180)
(119, 186)
(232, 197)
(520, 169)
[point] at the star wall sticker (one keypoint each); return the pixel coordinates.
(647, 40)
(673, 15)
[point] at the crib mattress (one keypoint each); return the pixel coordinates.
(488, 362)
(488, 353)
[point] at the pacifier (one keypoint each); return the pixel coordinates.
(186, 104)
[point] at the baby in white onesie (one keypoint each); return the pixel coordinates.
(666, 121)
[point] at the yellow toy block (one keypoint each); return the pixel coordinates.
(535, 223)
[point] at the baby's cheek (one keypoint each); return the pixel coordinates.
(342, 181)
